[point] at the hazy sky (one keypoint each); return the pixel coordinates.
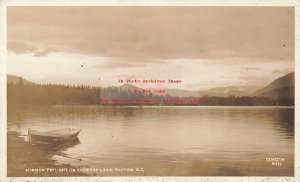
(204, 46)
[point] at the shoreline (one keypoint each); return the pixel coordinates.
(25, 160)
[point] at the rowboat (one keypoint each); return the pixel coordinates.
(54, 136)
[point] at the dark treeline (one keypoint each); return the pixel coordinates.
(54, 94)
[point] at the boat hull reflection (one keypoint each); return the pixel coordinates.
(55, 147)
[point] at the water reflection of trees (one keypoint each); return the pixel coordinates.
(284, 118)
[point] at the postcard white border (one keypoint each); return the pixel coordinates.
(3, 62)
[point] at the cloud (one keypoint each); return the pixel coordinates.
(156, 32)
(21, 48)
(251, 69)
(122, 64)
(282, 71)
(42, 52)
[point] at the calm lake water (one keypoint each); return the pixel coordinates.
(176, 141)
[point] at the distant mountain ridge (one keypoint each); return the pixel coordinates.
(12, 79)
(281, 87)
(217, 91)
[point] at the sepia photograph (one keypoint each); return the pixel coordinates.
(150, 91)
